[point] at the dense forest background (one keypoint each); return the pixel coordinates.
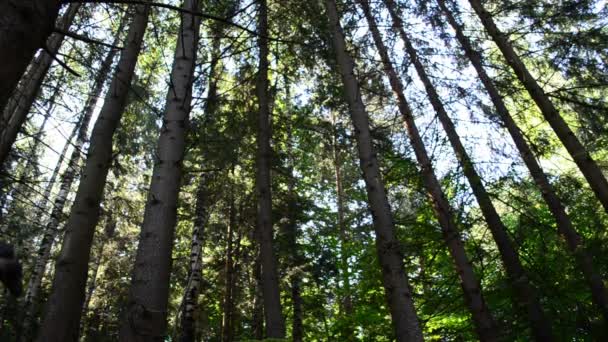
(236, 170)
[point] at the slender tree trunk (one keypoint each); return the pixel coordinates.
(227, 302)
(577, 151)
(573, 240)
(396, 286)
(68, 177)
(15, 108)
(275, 324)
(146, 313)
(526, 294)
(24, 27)
(64, 307)
(485, 325)
(192, 290)
(257, 321)
(109, 229)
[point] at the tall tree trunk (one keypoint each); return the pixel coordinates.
(109, 229)
(64, 307)
(192, 290)
(346, 303)
(24, 27)
(577, 151)
(275, 323)
(574, 241)
(15, 108)
(51, 231)
(228, 300)
(257, 321)
(526, 294)
(485, 325)
(146, 313)
(396, 286)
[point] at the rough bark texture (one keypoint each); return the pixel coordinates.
(64, 307)
(573, 240)
(51, 230)
(396, 286)
(146, 313)
(579, 154)
(15, 108)
(24, 27)
(257, 321)
(485, 324)
(192, 290)
(525, 294)
(275, 323)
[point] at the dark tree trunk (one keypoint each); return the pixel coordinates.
(396, 286)
(15, 106)
(525, 294)
(573, 240)
(51, 231)
(25, 26)
(64, 307)
(577, 151)
(146, 313)
(485, 324)
(275, 323)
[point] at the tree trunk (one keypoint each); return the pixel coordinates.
(275, 324)
(257, 321)
(577, 151)
(146, 313)
(396, 286)
(51, 231)
(24, 27)
(228, 301)
(15, 108)
(485, 325)
(574, 241)
(526, 294)
(64, 307)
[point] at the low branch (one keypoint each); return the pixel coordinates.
(85, 38)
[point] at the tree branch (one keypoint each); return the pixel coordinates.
(65, 66)
(85, 39)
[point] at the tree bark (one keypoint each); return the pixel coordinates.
(192, 290)
(526, 294)
(64, 307)
(146, 312)
(228, 300)
(485, 325)
(573, 240)
(51, 230)
(396, 286)
(588, 166)
(24, 27)
(275, 323)
(15, 108)
(257, 321)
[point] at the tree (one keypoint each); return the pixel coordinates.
(64, 307)
(396, 287)
(146, 313)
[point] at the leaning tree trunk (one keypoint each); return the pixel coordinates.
(525, 294)
(579, 154)
(275, 324)
(574, 241)
(24, 27)
(485, 325)
(51, 231)
(396, 286)
(146, 312)
(14, 109)
(192, 289)
(64, 307)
